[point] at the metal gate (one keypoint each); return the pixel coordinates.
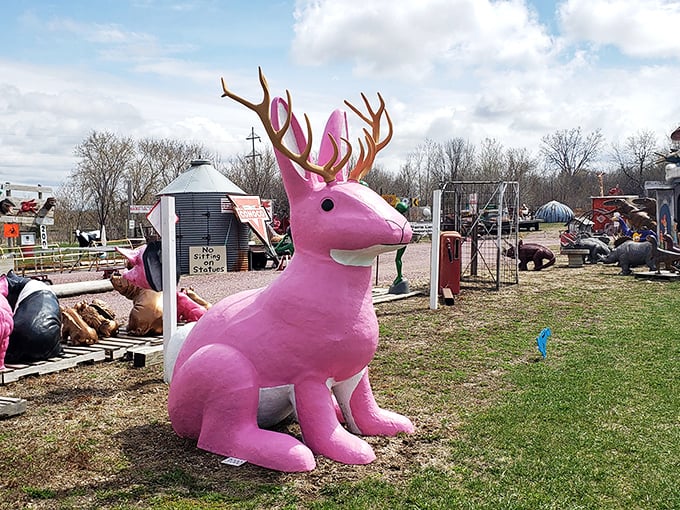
(486, 214)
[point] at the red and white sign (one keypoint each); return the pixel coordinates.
(140, 209)
(473, 203)
(248, 209)
(154, 217)
(226, 205)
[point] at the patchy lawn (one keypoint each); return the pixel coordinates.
(594, 425)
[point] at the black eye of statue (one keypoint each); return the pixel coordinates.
(327, 205)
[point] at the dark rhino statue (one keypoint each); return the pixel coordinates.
(598, 249)
(632, 254)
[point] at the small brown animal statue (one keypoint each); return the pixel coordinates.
(74, 329)
(532, 252)
(98, 317)
(146, 316)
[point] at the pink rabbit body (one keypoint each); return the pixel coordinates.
(6, 320)
(302, 343)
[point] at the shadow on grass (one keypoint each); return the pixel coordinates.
(164, 468)
(71, 395)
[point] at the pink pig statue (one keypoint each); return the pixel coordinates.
(300, 346)
(6, 320)
(144, 271)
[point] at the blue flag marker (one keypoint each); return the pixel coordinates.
(542, 341)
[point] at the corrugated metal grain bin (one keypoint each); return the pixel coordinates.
(205, 218)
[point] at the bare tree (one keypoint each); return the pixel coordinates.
(406, 184)
(491, 164)
(569, 152)
(569, 158)
(71, 212)
(459, 160)
(635, 160)
(157, 163)
(522, 167)
(520, 163)
(260, 176)
(382, 181)
(100, 173)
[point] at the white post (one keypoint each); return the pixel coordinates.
(169, 262)
(434, 247)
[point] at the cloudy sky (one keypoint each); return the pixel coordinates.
(510, 70)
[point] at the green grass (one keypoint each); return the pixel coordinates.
(595, 425)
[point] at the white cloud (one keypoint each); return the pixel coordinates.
(447, 68)
(644, 29)
(412, 39)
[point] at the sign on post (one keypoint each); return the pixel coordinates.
(249, 210)
(140, 209)
(207, 259)
(11, 230)
(43, 237)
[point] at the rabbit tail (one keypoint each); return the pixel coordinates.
(172, 349)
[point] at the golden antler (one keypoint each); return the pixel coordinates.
(374, 146)
(327, 171)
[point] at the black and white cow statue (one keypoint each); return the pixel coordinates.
(37, 321)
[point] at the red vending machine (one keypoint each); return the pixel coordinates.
(449, 265)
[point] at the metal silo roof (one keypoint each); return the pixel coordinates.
(201, 177)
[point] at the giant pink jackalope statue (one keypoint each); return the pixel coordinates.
(302, 344)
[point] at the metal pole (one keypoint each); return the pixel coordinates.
(434, 249)
(129, 203)
(169, 262)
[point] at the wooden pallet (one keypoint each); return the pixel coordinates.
(382, 295)
(146, 355)
(119, 347)
(106, 349)
(657, 275)
(72, 357)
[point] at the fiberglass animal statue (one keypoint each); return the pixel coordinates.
(598, 248)
(630, 254)
(144, 270)
(668, 258)
(6, 320)
(532, 252)
(299, 347)
(36, 335)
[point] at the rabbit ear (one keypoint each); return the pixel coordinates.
(337, 128)
(296, 179)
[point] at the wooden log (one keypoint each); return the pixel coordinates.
(448, 296)
(77, 288)
(11, 406)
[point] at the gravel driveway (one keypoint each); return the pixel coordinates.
(416, 267)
